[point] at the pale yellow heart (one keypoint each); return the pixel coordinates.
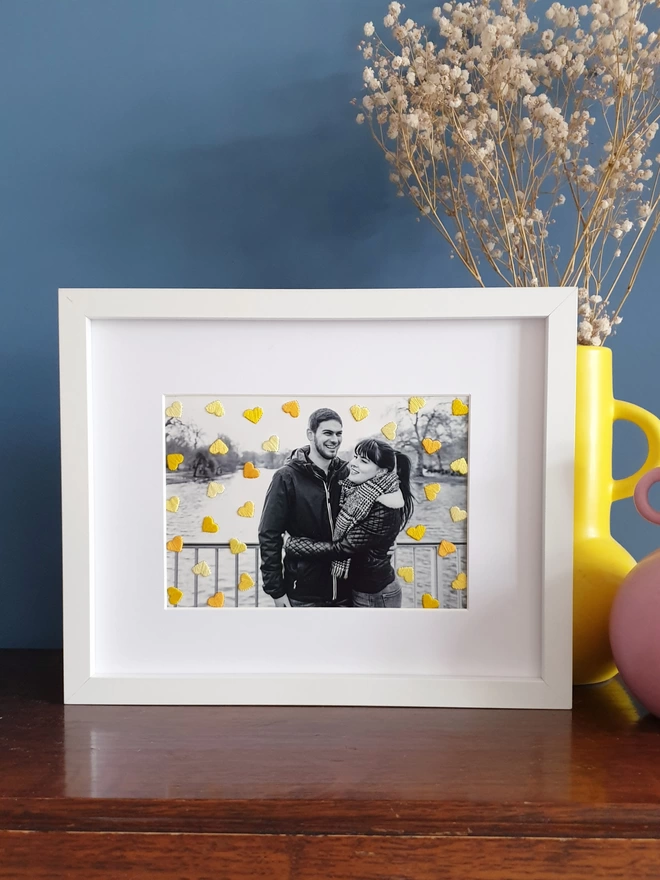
(272, 444)
(359, 412)
(407, 573)
(458, 408)
(237, 546)
(253, 415)
(218, 447)
(292, 407)
(202, 569)
(175, 410)
(245, 582)
(246, 510)
(176, 544)
(415, 404)
(215, 489)
(174, 595)
(416, 532)
(216, 601)
(209, 524)
(215, 408)
(389, 430)
(457, 514)
(172, 504)
(250, 472)
(446, 548)
(460, 583)
(431, 491)
(429, 601)
(431, 446)
(459, 466)
(174, 460)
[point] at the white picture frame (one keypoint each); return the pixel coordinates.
(528, 335)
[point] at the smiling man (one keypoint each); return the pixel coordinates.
(302, 501)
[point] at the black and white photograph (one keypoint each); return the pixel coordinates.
(310, 502)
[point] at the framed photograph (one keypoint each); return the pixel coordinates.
(397, 464)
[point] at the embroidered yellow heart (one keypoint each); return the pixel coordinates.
(416, 532)
(176, 544)
(202, 569)
(209, 524)
(431, 446)
(237, 546)
(246, 510)
(175, 410)
(429, 601)
(216, 601)
(215, 489)
(407, 573)
(250, 472)
(458, 408)
(253, 415)
(174, 596)
(218, 447)
(172, 504)
(215, 408)
(431, 491)
(459, 466)
(389, 430)
(174, 460)
(460, 583)
(292, 407)
(272, 444)
(457, 514)
(415, 404)
(359, 412)
(446, 548)
(245, 582)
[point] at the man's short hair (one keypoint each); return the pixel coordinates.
(322, 415)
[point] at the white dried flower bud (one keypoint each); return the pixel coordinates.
(360, 118)
(369, 29)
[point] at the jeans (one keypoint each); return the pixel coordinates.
(296, 604)
(389, 597)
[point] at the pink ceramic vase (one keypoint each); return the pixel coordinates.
(635, 615)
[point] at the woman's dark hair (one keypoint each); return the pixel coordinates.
(387, 457)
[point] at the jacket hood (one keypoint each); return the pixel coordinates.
(299, 459)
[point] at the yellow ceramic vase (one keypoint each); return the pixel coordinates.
(600, 563)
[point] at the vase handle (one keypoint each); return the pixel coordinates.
(641, 496)
(650, 425)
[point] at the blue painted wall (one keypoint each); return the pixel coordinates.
(196, 143)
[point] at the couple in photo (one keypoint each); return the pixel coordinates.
(328, 527)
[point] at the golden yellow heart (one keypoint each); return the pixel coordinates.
(174, 595)
(457, 514)
(174, 460)
(215, 489)
(416, 532)
(389, 430)
(431, 491)
(429, 601)
(215, 408)
(237, 546)
(246, 510)
(272, 444)
(253, 415)
(407, 573)
(292, 407)
(172, 504)
(216, 601)
(459, 466)
(359, 412)
(175, 410)
(446, 548)
(202, 569)
(458, 408)
(431, 446)
(218, 447)
(415, 404)
(250, 472)
(209, 524)
(176, 544)
(245, 582)
(460, 583)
